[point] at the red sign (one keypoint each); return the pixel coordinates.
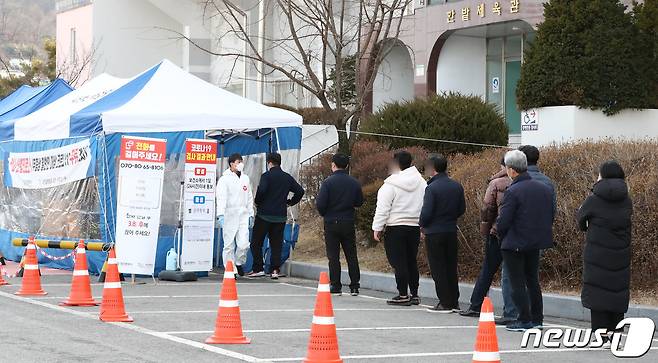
(142, 149)
(200, 152)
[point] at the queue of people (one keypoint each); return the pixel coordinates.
(517, 216)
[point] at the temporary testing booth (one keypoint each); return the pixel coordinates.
(162, 103)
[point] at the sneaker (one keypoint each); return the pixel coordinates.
(2, 261)
(519, 326)
(354, 291)
(439, 308)
(337, 291)
(503, 320)
(256, 274)
(399, 301)
(275, 275)
(470, 313)
(240, 270)
(415, 300)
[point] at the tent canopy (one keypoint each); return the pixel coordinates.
(51, 122)
(20, 95)
(165, 98)
(30, 99)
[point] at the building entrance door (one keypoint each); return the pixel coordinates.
(512, 113)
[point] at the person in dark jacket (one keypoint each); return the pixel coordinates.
(525, 226)
(606, 217)
(532, 155)
(339, 195)
(493, 259)
(443, 204)
(272, 213)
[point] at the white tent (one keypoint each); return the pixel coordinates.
(52, 121)
(165, 98)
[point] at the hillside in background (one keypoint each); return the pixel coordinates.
(23, 26)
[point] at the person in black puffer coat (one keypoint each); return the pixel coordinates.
(606, 217)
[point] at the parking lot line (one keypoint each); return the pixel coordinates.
(266, 310)
(125, 296)
(444, 354)
(136, 328)
(294, 330)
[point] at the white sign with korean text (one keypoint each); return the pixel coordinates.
(141, 175)
(199, 205)
(49, 168)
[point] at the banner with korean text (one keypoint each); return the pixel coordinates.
(199, 204)
(50, 168)
(139, 197)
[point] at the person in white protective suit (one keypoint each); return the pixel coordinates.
(235, 212)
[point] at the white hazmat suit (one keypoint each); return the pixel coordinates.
(236, 203)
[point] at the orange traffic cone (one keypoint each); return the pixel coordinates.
(112, 308)
(2, 280)
(486, 343)
(81, 284)
(228, 326)
(31, 284)
(323, 344)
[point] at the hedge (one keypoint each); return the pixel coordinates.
(573, 168)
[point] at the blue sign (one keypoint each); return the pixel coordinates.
(199, 199)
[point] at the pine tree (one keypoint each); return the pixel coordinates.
(586, 53)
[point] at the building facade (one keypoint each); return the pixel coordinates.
(125, 37)
(474, 47)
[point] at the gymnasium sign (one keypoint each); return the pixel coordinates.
(483, 10)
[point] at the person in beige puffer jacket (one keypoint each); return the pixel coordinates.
(399, 202)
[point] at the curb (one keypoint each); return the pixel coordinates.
(557, 306)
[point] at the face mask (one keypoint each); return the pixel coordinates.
(239, 167)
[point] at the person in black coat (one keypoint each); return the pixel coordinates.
(606, 217)
(337, 199)
(272, 204)
(443, 204)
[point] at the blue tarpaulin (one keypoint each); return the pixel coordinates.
(26, 100)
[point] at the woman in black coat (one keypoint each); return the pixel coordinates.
(606, 216)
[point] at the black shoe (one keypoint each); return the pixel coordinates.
(415, 300)
(274, 275)
(439, 308)
(519, 326)
(354, 291)
(2, 261)
(503, 321)
(337, 291)
(470, 313)
(399, 301)
(240, 270)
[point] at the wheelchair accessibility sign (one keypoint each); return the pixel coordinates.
(529, 120)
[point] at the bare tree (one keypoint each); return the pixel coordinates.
(330, 48)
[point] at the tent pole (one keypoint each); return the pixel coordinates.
(219, 173)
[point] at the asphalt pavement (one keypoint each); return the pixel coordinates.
(172, 320)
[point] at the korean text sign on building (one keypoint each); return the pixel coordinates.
(199, 204)
(139, 197)
(50, 168)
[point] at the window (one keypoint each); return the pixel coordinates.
(73, 50)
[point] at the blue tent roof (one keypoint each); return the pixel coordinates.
(20, 95)
(26, 100)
